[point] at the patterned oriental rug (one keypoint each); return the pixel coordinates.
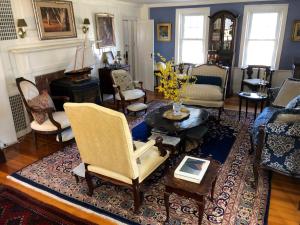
(19, 208)
(236, 202)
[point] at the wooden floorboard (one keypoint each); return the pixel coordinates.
(285, 191)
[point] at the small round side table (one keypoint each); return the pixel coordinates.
(255, 97)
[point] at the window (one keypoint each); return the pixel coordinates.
(262, 35)
(191, 35)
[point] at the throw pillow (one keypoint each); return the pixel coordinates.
(294, 103)
(211, 80)
(41, 101)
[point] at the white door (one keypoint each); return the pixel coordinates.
(129, 43)
(144, 50)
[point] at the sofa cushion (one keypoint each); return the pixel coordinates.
(42, 101)
(131, 94)
(203, 92)
(289, 90)
(212, 80)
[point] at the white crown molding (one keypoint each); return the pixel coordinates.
(201, 2)
(111, 3)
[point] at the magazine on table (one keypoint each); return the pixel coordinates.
(192, 169)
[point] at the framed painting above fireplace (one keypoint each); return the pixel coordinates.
(54, 19)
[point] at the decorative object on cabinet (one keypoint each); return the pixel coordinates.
(21, 23)
(222, 38)
(296, 31)
(86, 24)
(106, 82)
(126, 89)
(105, 34)
(55, 122)
(82, 64)
(108, 58)
(164, 32)
(54, 19)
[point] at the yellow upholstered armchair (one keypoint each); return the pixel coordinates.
(108, 151)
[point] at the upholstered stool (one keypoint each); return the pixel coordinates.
(137, 107)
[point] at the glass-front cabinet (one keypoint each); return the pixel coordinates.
(221, 44)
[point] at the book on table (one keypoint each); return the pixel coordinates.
(191, 169)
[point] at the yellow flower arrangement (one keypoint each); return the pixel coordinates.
(171, 85)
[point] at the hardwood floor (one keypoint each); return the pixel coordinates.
(285, 192)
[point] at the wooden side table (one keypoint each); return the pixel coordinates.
(252, 97)
(195, 191)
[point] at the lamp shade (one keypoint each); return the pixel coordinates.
(86, 21)
(21, 23)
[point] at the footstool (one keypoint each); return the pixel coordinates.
(137, 107)
(197, 192)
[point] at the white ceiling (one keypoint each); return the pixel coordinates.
(183, 2)
(154, 1)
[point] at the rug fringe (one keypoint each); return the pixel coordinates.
(63, 200)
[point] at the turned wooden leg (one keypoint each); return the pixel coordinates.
(213, 190)
(89, 182)
(201, 205)
(60, 141)
(145, 99)
(167, 205)
(136, 195)
(34, 137)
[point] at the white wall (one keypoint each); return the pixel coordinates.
(30, 57)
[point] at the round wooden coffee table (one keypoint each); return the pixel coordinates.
(156, 120)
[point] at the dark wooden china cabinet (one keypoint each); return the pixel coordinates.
(221, 44)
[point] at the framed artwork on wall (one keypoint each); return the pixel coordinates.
(296, 31)
(164, 31)
(54, 19)
(105, 33)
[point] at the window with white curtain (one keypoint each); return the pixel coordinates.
(262, 35)
(191, 35)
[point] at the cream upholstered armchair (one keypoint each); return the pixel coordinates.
(209, 89)
(42, 113)
(126, 89)
(107, 150)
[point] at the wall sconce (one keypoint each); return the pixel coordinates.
(86, 23)
(21, 23)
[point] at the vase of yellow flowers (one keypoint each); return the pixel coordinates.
(171, 85)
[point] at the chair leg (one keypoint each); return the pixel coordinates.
(220, 111)
(123, 107)
(251, 150)
(136, 195)
(145, 99)
(118, 105)
(89, 182)
(60, 141)
(34, 137)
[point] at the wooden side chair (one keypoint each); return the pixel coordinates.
(107, 150)
(252, 82)
(126, 89)
(44, 119)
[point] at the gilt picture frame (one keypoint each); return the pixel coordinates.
(296, 31)
(105, 30)
(54, 19)
(164, 31)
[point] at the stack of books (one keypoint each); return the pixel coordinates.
(191, 169)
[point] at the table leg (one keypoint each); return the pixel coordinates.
(255, 110)
(166, 197)
(246, 108)
(201, 206)
(240, 108)
(213, 190)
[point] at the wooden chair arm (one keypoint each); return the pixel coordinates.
(46, 110)
(118, 90)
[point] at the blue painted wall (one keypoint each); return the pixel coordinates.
(290, 49)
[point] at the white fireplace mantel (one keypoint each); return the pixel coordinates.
(50, 45)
